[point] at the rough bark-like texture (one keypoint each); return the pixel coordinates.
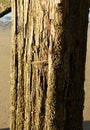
(5, 7)
(48, 63)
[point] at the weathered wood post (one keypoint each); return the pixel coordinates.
(48, 64)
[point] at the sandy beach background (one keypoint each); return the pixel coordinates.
(5, 48)
(86, 113)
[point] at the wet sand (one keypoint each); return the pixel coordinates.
(86, 113)
(87, 80)
(5, 45)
